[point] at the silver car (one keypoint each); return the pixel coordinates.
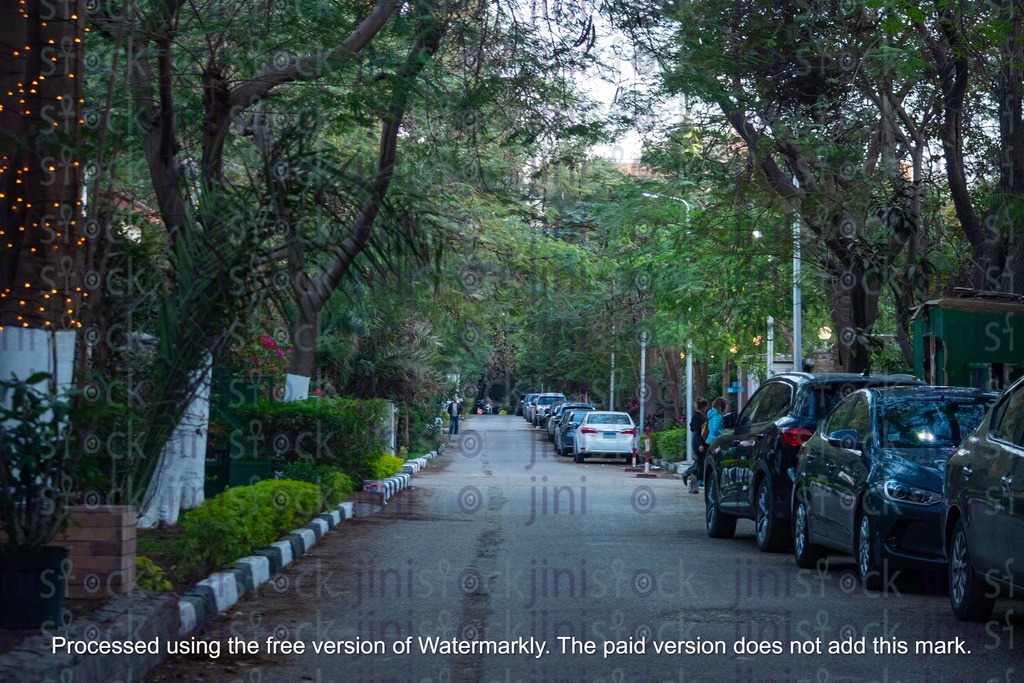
(604, 434)
(542, 405)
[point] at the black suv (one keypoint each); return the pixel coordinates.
(749, 469)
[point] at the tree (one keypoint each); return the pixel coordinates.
(41, 226)
(216, 225)
(834, 120)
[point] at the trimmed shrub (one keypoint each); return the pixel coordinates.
(242, 519)
(334, 485)
(384, 466)
(343, 433)
(669, 445)
(149, 576)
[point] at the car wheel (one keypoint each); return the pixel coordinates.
(772, 535)
(720, 525)
(577, 456)
(868, 568)
(967, 592)
(807, 554)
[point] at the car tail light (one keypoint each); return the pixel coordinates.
(795, 436)
(631, 432)
(588, 430)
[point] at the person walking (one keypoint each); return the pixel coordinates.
(454, 410)
(697, 422)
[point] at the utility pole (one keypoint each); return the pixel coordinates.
(611, 380)
(689, 399)
(643, 370)
(798, 361)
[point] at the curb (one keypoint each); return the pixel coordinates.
(221, 590)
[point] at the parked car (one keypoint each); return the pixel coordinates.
(524, 401)
(527, 404)
(748, 469)
(542, 405)
(554, 420)
(565, 435)
(604, 434)
(983, 511)
(869, 481)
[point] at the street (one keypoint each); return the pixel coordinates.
(506, 563)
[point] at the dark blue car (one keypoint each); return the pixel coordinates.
(869, 480)
(570, 420)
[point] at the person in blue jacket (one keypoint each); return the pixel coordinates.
(715, 413)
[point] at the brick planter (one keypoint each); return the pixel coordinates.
(102, 551)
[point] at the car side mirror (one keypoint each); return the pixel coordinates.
(729, 420)
(845, 438)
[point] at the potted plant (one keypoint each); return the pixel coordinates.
(36, 478)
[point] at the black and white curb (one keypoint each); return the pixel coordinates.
(221, 590)
(388, 487)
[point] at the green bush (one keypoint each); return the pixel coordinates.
(149, 576)
(384, 466)
(669, 445)
(343, 433)
(244, 518)
(334, 485)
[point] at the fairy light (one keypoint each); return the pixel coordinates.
(32, 200)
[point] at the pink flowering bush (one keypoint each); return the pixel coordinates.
(263, 355)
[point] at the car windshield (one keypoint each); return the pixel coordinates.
(926, 422)
(547, 400)
(608, 419)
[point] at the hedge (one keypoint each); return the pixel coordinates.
(384, 466)
(334, 485)
(242, 519)
(342, 433)
(669, 445)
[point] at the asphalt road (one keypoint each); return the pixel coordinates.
(502, 542)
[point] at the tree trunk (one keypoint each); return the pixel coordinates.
(700, 379)
(177, 482)
(40, 211)
(315, 292)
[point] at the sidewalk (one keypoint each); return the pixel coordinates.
(143, 616)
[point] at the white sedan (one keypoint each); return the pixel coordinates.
(604, 434)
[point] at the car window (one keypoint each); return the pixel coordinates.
(608, 419)
(925, 422)
(775, 403)
(818, 399)
(837, 420)
(859, 419)
(747, 416)
(1009, 418)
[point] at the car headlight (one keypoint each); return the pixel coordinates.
(898, 492)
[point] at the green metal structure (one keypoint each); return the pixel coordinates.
(974, 342)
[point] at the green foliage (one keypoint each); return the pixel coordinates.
(242, 519)
(149, 576)
(38, 464)
(384, 466)
(669, 445)
(334, 485)
(342, 433)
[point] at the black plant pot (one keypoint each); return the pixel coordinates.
(32, 587)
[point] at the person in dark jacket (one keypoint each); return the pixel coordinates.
(454, 410)
(697, 420)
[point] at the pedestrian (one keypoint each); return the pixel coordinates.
(715, 428)
(454, 410)
(697, 422)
